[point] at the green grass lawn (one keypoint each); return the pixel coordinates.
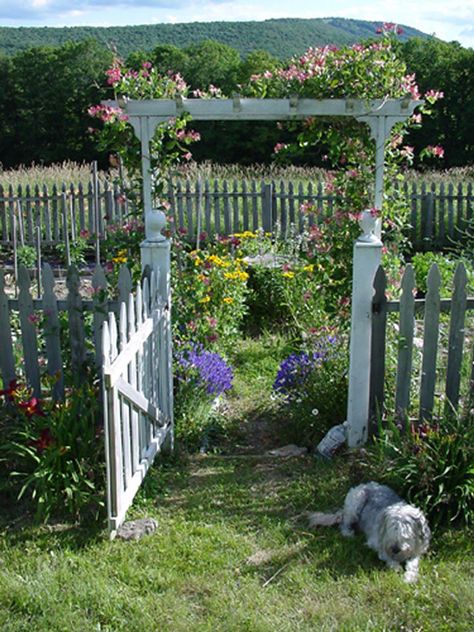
(229, 553)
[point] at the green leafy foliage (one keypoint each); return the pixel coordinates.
(431, 464)
(53, 452)
(26, 255)
(447, 67)
(78, 249)
(312, 388)
(44, 95)
(422, 262)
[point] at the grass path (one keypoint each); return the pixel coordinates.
(229, 553)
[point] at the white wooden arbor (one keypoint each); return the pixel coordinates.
(380, 115)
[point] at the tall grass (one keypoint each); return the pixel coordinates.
(456, 175)
(309, 174)
(70, 172)
(67, 172)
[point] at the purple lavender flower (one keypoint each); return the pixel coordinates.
(208, 370)
(297, 367)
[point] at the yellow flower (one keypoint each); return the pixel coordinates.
(309, 267)
(205, 299)
(121, 256)
(247, 234)
(197, 261)
(236, 275)
(228, 300)
(217, 261)
(288, 275)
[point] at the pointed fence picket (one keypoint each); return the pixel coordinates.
(137, 387)
(61, 212)
(439, 214)
(439, 366)
(36, 345)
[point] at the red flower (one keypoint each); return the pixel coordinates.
(11, 391)
(44, 441)
(31, 407)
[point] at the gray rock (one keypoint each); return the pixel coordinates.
(136, 529)
(288, 450)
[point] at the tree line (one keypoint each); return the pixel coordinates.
(283, 37)
(45, 93)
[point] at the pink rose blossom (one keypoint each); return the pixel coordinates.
(436, 151)
(407, 151)
(279, 147)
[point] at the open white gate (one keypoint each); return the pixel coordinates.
(138, 394)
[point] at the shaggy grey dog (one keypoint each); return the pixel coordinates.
(397, 531)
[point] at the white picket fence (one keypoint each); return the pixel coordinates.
(37, 344)
(138, 392)
(40, 217)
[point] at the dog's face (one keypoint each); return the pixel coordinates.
(404, 533)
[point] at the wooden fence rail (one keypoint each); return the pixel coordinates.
(439, 214)
(37, 344)
(442, 367)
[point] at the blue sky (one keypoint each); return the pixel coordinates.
(447, 19)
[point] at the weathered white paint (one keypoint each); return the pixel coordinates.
(137, 420)
(367, 256)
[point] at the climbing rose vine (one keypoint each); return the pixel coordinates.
(171, 141)
(369, 71)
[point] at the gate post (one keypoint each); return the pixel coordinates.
(155, 253)
(367, 255)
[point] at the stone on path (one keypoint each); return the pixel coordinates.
(288, 450)
(136, 529)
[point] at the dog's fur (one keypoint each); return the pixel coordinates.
(397, 531)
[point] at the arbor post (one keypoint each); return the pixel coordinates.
(366, 260)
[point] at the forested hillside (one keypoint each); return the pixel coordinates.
(45, 93)
(281, 38)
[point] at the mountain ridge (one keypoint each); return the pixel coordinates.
(282, 37)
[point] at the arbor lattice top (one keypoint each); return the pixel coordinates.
(381, 115)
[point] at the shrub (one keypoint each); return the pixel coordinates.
(430, 464)
(78, 249)
(312, 387)
(422, 263)
(266, 305)
(27, 256)
(201, 377)
(53, 451)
